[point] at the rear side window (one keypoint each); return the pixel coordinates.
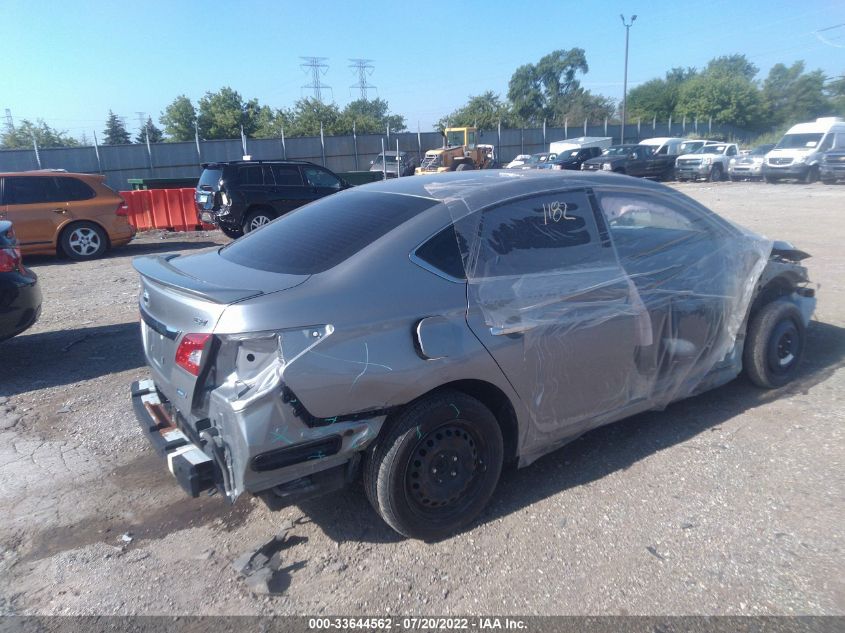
(287, 175)
(30, 190)
(322, 234)
(443, 253)
(540, 234)
(250, 175)
(71, 189)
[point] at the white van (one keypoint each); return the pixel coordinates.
(580, 142)
(799, 152)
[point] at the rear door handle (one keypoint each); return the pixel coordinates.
(516, 328)
(59, 210)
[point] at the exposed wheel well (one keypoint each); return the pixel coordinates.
(499, 404)
(773, 290)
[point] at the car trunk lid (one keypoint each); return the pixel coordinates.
(177, 300)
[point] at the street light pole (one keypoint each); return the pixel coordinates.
(627, 26)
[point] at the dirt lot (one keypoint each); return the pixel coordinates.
(728, 503)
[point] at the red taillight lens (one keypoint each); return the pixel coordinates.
(10, 259)
(190, 350)
(123, 209)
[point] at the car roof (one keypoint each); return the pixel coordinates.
(58, 173)
(257, 162)
(481, 188)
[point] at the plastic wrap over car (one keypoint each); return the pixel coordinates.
(621, 300)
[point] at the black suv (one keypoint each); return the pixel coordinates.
(240, 196)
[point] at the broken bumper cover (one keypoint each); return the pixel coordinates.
(286, 473)
(193, 469)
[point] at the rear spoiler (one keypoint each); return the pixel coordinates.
(160, 270)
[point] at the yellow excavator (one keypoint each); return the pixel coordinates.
(460, 151)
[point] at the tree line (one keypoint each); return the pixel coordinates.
(549, 92)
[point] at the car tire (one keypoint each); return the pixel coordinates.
(232, 233)
(829, 181)
(258, 218)
(715, 173)
(772, 180)
(812, 175)
(83, 240)
(774, 344)
(465, 167)
(448, 430)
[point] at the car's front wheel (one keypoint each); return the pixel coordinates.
(83, 240)
(436, 466)
(774, 344)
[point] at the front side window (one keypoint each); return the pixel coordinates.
(320, 178)
(30, 190)
(540, 234)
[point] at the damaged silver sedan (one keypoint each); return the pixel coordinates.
(421, 332)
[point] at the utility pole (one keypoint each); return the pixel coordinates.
(317, 67)
(627, 26)
(10, 123)
(363, 68)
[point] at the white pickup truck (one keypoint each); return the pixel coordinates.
(709, 162)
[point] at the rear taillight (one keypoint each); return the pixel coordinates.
(190, 351)
(10, 259)
(122, 209)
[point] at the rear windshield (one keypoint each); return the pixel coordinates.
(210, 179)
(320, 235)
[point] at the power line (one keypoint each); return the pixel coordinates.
(317, 67)
(363, 68)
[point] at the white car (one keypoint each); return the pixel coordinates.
(709, 162)
(519, 161)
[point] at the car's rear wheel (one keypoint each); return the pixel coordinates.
(258, 218)
(774, 345)
(83, 240)
(233, 233)
(436, 467)
(812, 175)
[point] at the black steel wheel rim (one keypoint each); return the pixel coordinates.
(445, 468)
(784, 347)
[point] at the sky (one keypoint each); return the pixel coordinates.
(70, 62)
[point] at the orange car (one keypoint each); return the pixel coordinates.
(58, 212)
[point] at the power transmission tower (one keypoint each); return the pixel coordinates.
(363, 68)
(142, 121)
(10, 124)
(317, 68)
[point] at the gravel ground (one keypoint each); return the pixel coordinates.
(727, 503)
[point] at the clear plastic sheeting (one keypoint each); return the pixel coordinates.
(600, 297)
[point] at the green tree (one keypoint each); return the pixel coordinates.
(482, 111)
(835, 90)
(658, 97)
(115, 132)
(735, 65)
(178, 119)
(790, 95)
(150, 130)
(371, 116)
(307, 114)
(731, 99)
(271, 123)
(222, 113)
(22, 135)
(542, 91)
(582, 104)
